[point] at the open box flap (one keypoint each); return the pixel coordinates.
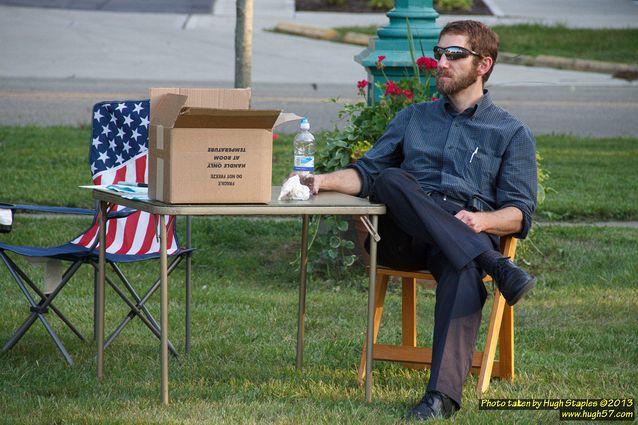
(285, 117)
(168, 110)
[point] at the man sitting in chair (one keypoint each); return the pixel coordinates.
(455, 174)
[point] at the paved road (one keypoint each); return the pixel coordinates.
(582, 110)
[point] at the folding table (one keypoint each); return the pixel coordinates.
(326, 203)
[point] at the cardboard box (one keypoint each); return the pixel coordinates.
(203, 152)
(206, 98)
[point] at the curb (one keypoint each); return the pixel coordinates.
(618, 70)
(307, 31)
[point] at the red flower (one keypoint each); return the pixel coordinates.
(379, 62)
(426, 64)
(275, 136)
(361, 84)
(408, 94)
(392, 88)
(434, 98)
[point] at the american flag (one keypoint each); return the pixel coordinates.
(119, 152)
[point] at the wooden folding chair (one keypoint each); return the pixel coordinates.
(500, 328)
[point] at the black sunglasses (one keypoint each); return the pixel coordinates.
(453, 53)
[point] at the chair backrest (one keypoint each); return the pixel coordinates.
(119, 153)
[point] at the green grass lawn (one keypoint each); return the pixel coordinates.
(576, 333)
(609, 45)
(576, 337)
(594, 178)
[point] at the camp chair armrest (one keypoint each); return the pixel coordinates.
(120, 214)
(48, 209)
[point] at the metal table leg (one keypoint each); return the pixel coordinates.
(189, 265)
(302, 291)
(371, 292)
(163, 308)
(100, 291)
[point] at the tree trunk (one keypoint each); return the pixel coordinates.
(243, 43)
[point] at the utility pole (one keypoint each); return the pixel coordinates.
(243, 43)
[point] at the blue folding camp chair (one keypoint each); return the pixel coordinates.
(119, 152)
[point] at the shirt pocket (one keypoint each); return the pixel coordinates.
(479, 168)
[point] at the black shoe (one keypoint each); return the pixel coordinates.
(512, 281)
(433, 405)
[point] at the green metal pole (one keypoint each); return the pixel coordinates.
(392, 41)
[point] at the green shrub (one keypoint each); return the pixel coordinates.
(443, 5)
(381, 4)
(450, 5)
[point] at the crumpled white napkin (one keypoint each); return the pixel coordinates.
(293, 189)
(6, 217)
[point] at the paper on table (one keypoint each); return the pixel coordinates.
(129, 190)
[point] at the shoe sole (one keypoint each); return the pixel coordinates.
(522, 292)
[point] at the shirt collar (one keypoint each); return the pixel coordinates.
(483, 103)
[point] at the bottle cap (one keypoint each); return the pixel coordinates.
(305, 124)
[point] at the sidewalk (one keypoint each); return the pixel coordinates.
(66, 43)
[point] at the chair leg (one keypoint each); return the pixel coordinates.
(493, 330)
(408, 316)
(55, 338)
(21, 278)
(379, 299)
(38, 309)
(506, 344)
(135, 311)
(24, 327)
(138, 309)
(44, 297)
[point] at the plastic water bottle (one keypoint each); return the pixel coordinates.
(304, 147)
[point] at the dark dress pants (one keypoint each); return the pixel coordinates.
(420, 231)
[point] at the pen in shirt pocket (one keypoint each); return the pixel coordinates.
(473, 153)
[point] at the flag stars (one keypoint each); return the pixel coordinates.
(135, 134)
(138, 108)
(120, 136)
(103, 157)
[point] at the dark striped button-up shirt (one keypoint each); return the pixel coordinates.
(483, 153)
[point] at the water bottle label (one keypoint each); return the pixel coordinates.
(304, 163)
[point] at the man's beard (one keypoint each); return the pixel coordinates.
(456, 84)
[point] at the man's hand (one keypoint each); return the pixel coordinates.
(315, 186)
(344, 181)
(505, 221)
(475, 220)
